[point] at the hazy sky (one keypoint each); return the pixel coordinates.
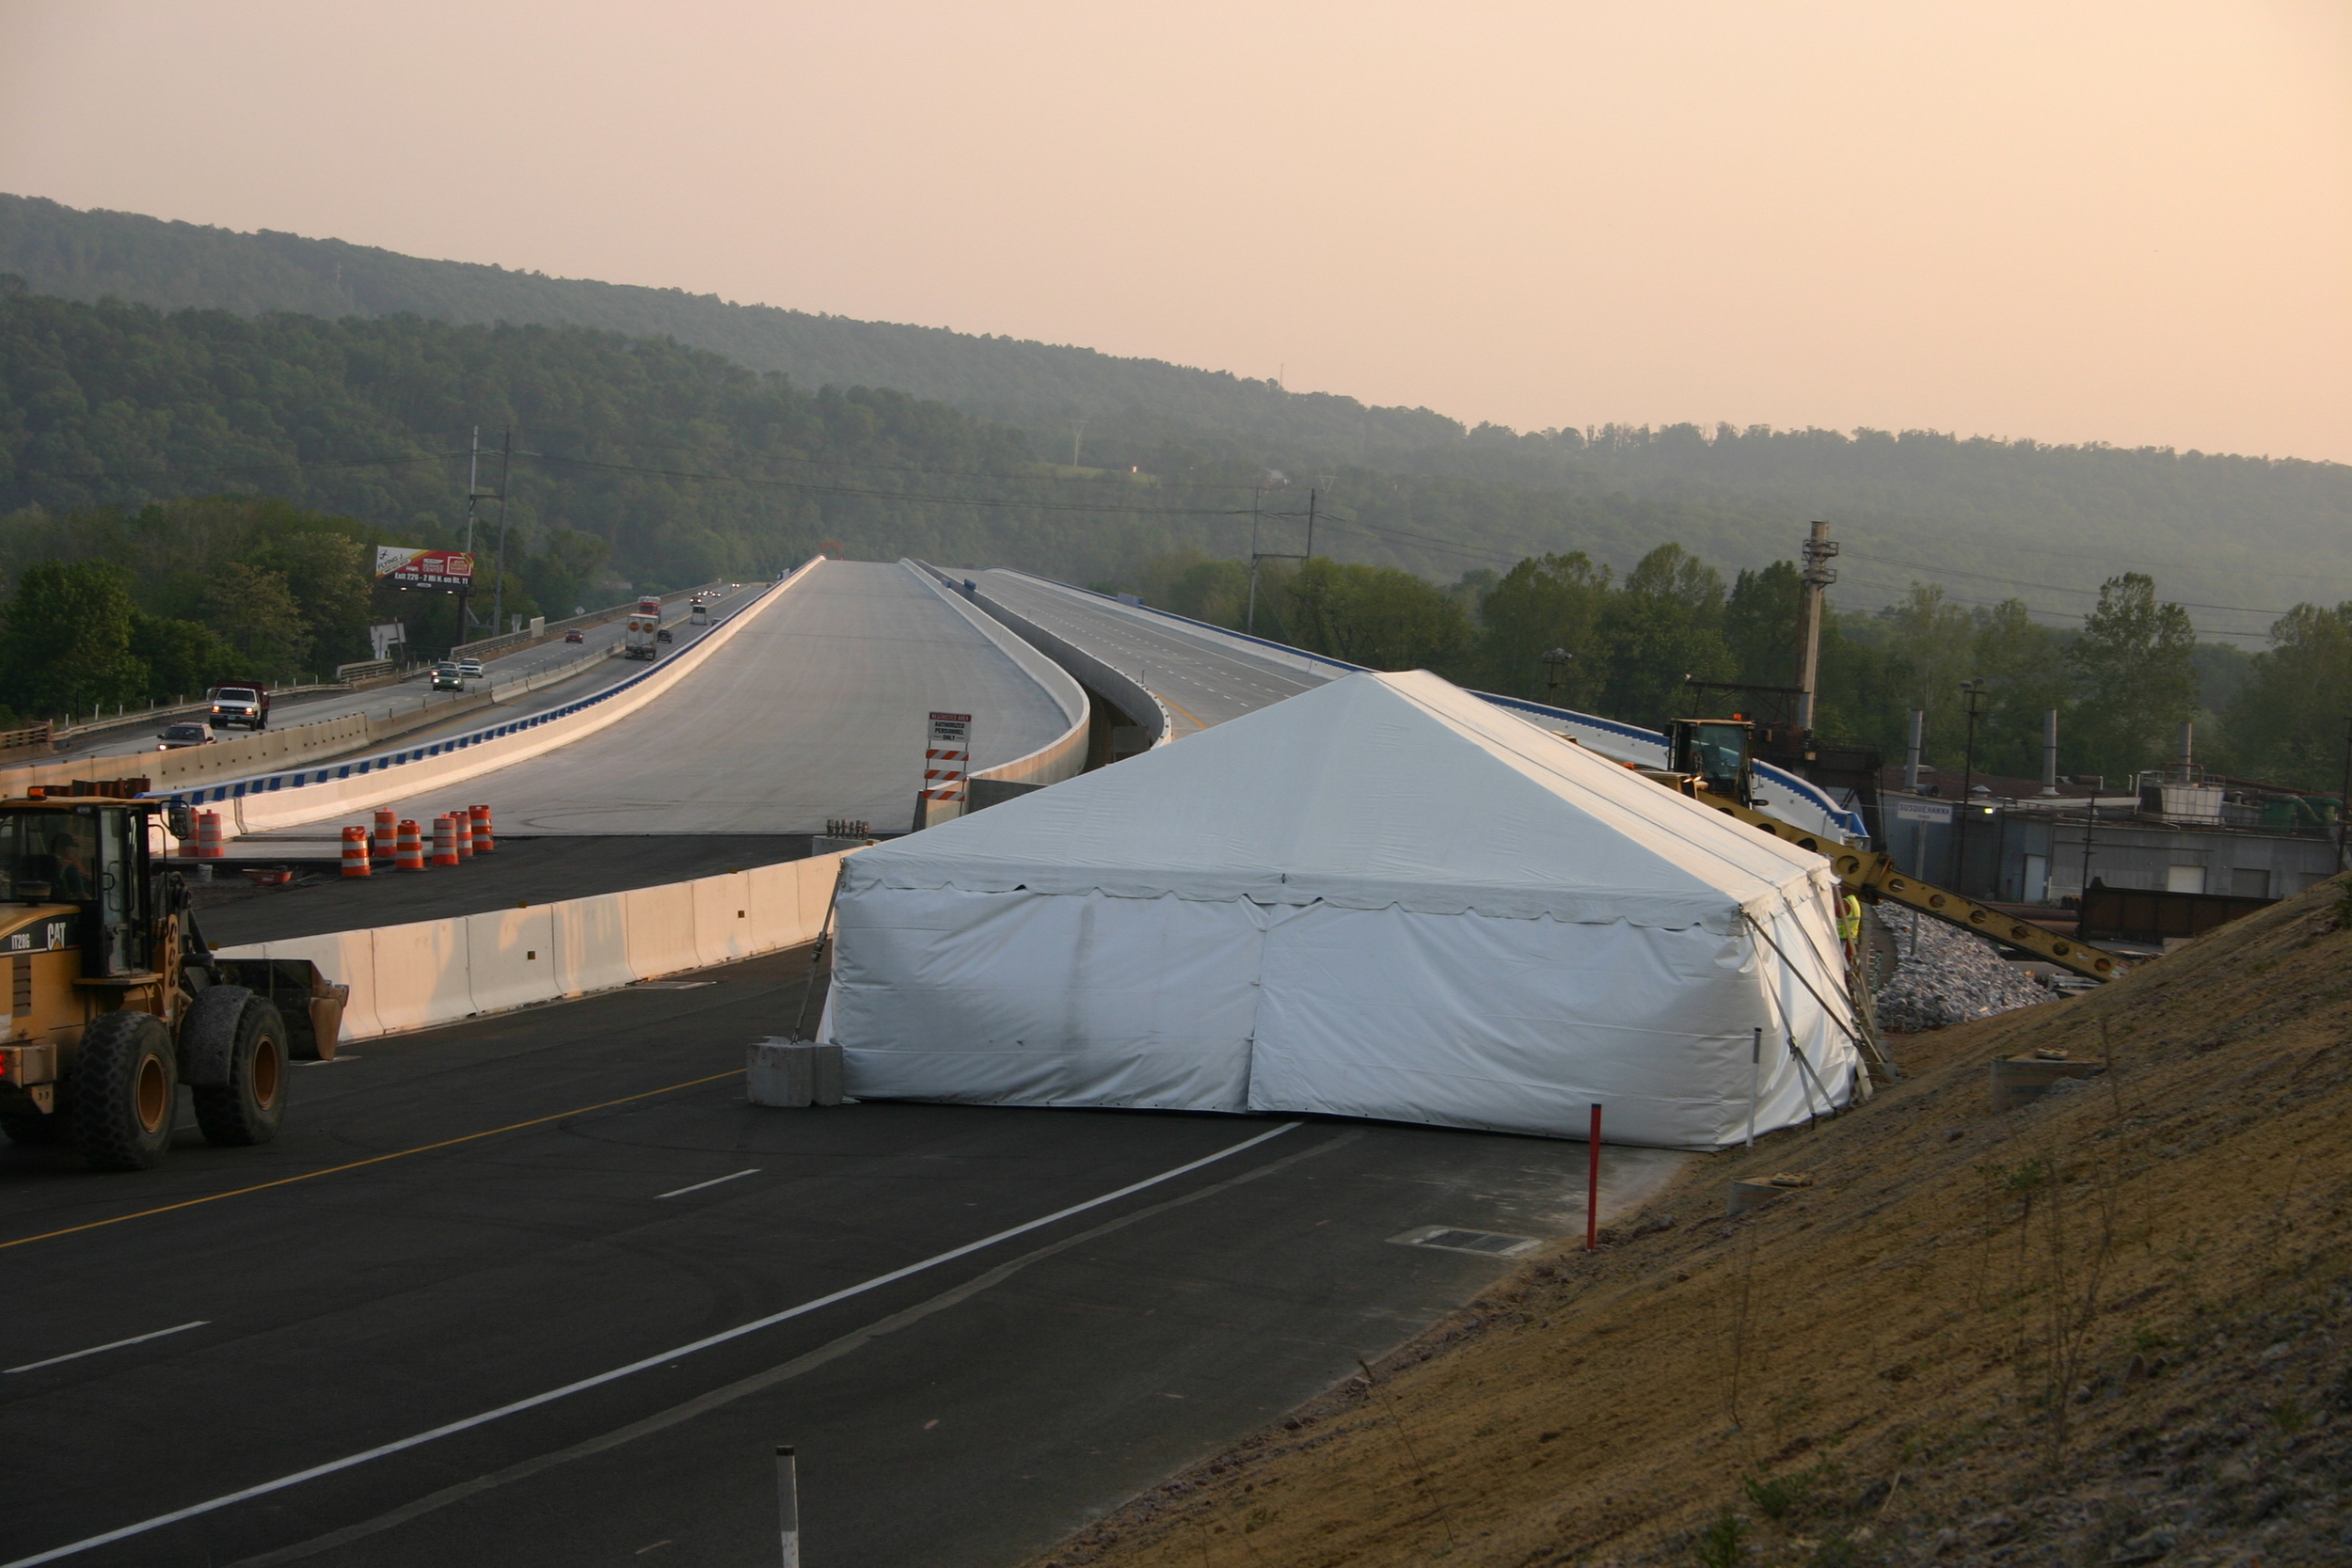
(2122, 222)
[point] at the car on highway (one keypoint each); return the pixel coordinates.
(662, 636)
(469, 668)
(174, 736)
(246, 703)
(448, 676)
(575, 635)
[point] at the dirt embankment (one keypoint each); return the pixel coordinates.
(2108, 1328)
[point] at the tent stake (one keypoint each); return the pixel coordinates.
(1592, 1189)
(1755, 1079)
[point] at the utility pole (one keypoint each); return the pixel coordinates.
(1973, 692)
(473, 474)
(1311, 523)
(1077, 433)
(498, 589)
(1818, 575)
(1554, 661)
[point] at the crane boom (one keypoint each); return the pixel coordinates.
(1874, 878)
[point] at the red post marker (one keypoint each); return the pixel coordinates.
(1592, 1189)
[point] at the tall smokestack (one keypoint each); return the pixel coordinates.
(2189, 745)
(2049, 752)
(1911, 756)
(1818, 575)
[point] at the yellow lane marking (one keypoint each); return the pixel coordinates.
(1181, 708)
(372, 1160)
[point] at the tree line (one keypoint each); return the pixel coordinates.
(1561, 629)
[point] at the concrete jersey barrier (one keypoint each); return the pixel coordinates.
(431, 972)
(308, 795)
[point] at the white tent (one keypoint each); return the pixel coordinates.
(1383, 897)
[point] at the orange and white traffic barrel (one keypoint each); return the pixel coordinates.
(444, 841)
(461, 833)
(208, 840)
(409, 853)
(381, 844)
(483, 843)
(356, 852)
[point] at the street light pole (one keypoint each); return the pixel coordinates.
(1972, 691)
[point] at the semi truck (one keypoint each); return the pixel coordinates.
(116, 999)
(643, 637)
(242, 704)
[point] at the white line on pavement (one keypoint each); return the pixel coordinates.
(352, 1461)
(77, 1355)
(712, 1182)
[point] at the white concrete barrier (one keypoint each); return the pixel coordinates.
(658, 923)
(510, 959)
(722, 925)
(591, 944)
(433, 972)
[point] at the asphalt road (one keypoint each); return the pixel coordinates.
(1201, 684)
(815, 709)
(543, 1290)
(416, 692)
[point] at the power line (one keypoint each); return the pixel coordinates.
(2046, 587)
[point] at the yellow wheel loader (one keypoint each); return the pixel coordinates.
(115, 1002)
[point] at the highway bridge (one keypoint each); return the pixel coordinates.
(541, 1287)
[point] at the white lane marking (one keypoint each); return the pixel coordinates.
(77, 1355)
(354, 1459)
(712, 1182)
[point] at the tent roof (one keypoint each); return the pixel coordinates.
(1371, 791)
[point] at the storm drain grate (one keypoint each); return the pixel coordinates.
(1447, 1238)
(669, 985)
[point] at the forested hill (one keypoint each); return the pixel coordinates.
(1993, 518)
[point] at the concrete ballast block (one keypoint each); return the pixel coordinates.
(792, 1073)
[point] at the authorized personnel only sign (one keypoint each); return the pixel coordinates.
(948, 757)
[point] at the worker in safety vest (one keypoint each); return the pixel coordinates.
(1849, 924)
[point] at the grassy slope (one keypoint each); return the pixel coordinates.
(1875, 1354)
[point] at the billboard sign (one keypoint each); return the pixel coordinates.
(426, 568)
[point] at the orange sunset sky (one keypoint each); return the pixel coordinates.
(2116, 222)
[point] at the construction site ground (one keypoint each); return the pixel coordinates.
(2106, 1328)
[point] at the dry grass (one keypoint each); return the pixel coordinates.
(2103, 1329)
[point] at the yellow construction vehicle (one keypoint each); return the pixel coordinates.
(1709, 761)
(115, 1000)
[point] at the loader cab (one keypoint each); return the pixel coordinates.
(89, 854)
(1717, 753)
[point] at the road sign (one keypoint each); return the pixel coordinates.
(947, 756)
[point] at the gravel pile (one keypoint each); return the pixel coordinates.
(1947, 976)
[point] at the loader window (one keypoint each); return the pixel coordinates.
(47, 857)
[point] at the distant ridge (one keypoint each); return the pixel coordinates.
(1997, 517)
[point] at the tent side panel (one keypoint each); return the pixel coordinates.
(1028, 999)
(1520, 1025)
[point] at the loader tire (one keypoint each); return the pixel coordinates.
(126, 1091)
(248, 1109)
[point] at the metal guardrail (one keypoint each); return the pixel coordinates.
(237, 789)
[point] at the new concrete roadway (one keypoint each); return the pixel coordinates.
(1201, 684)
(815, 709)
(544, 1291)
